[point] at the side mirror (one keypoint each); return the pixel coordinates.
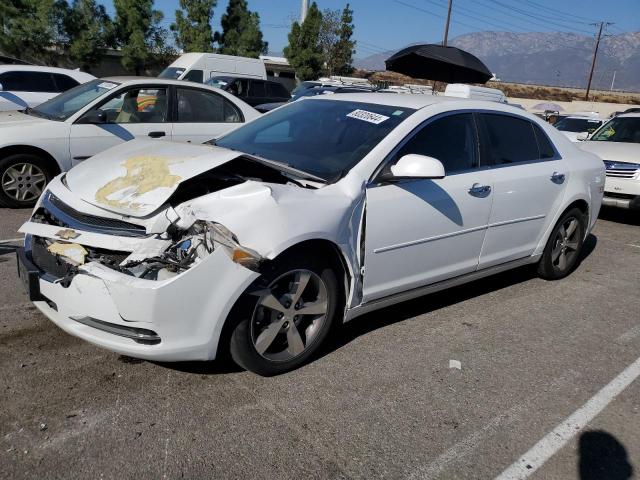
(417, 166)
(94, 116)
(582, 136)
(1, 88)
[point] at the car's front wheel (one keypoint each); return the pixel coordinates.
(563, 248)
(287, 318)
(22, 180)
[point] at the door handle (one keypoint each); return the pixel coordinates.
(157, 134)
(478, 190)
(557, 177)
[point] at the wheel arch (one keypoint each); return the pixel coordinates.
(31, 150)
(581, 204)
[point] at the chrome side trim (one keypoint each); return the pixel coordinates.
(435, 287)
(454, 234)
(139, 335)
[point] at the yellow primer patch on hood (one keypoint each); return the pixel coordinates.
(71, 251)
(145, 173)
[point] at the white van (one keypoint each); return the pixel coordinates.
(200, 67)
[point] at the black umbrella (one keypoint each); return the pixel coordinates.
(442, 64)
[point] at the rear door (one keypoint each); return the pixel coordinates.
(257, 93)
(203, 115)
(422, 231)
(133, 112)
(529, 179)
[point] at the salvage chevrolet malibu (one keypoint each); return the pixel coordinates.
(262, 241)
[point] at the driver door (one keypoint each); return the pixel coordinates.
(140, 111)
(421, 231)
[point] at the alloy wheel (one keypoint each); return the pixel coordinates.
(565, 245)
(289, 315)
(23, 182)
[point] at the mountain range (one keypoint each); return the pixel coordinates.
(557, 58)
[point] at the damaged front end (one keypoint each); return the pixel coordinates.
(61, 241)
(190, 247)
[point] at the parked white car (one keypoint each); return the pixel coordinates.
(38, 143)
(617, 143)
(23, 86)
(320, 211)
(577, 127)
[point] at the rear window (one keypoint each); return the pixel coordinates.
(64, 82)
(509, 139)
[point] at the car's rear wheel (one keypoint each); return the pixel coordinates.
(287, 318)
(22, 180)
(563, 248)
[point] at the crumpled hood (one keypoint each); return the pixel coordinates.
(137, 177)
(615, 151)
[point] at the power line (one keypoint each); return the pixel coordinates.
(558, 12)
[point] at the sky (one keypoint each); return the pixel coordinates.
(383, 25)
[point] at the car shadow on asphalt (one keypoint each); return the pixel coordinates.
(400, 312)
(619, 215)
(348, 332)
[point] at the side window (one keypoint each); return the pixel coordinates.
(194, 76)
(509, 139)
(64, 82)
(137, 105)
(23, 81)
(451, 139)
(197, 106)
(257, 89)
(544, 144)
(239, 88)
(275, 90)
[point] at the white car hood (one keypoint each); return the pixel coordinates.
(138, 177)
(615, 151)
(15, 118)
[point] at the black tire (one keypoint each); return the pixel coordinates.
(551, 266)
(242, 344)
(8, 167)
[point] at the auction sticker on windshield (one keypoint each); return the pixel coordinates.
(366, 116)
(107, 85)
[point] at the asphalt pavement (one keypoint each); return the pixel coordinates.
(540, 378)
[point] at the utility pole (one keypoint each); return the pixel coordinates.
(303, 10)
(595, 54)
(446, 27)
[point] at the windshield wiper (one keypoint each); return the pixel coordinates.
(286, 168)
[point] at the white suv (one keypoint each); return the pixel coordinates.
(23, 86)
(320, 211)
(618, 144)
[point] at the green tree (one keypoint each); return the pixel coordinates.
(342, 57)
(304, 51)
(29, 29)
(139, 33)
(192, 29)
(89, 33)
(241, 34)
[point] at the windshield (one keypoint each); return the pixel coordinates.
(172, 73)
(68, 103)
(323, 137)
(619, 129)
(578, 125)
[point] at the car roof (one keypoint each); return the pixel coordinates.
(132, 80)
(629, 115)
(39, 68)
(417, 101)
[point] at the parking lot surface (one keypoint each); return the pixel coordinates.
(380, 402)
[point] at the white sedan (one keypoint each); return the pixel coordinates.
(23, 86)
(38, 143)
(309, 216)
